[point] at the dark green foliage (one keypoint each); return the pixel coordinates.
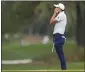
(80, 26)
(32, 17)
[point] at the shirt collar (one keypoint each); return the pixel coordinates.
(61, 12)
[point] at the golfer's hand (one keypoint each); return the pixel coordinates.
(56, 10)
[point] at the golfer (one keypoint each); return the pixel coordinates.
(60, 20)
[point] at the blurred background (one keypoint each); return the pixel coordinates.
(27, 35)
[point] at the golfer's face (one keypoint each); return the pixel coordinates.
(56, 9)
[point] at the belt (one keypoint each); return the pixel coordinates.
(58, 34)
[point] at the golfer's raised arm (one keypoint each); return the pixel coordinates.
(53, 20)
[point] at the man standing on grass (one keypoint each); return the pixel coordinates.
(60, 20)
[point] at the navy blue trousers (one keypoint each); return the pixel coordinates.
(59, 40)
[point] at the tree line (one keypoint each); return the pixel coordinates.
(32, 17)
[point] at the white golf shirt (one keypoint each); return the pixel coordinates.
(61, 23)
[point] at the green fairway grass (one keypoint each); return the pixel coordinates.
(41, 53)
(75, 66)
(16, 51)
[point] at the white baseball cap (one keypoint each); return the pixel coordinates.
(60, 5)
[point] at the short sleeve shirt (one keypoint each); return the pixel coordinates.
(61, 23)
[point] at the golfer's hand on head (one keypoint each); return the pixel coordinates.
(52, 20)
(56, 11)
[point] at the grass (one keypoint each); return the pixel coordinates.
(72, 67)
(16, 51)
(21, 52)
(38, 52)
(48, 66)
